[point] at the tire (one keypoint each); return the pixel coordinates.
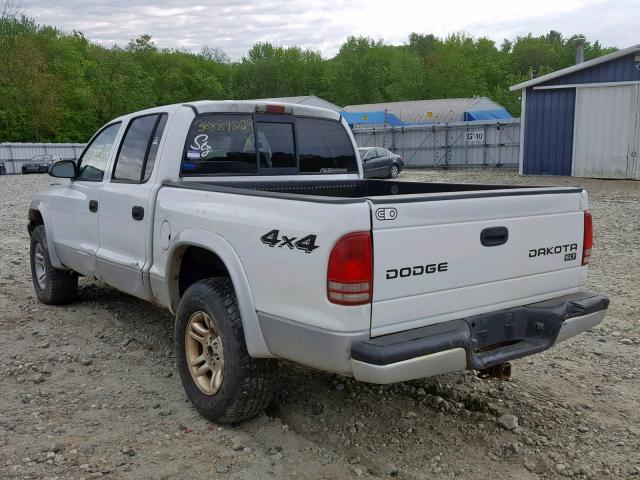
(52, 286)
(394, 171)
(235, 386)
(24, 170)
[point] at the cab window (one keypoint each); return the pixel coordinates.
(324, 147)
(237, 144)
(220, 144)
(94, 159)
(138, 149)
(275, 145)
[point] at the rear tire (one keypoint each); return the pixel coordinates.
(223, 382)
(394, 171)
(53, 286)
(24, 171)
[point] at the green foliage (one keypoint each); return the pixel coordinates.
(270, 71)
(57, 86)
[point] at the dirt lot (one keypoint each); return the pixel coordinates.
(91, 390)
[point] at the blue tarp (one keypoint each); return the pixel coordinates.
(368, 118)
(497, 114)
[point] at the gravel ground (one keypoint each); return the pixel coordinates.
(90, 390)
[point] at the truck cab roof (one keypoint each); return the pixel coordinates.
(238, 106)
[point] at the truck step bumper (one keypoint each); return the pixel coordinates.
(476, 342)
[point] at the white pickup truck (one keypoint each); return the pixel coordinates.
(252, 223)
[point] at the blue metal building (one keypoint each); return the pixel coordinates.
(584, 120)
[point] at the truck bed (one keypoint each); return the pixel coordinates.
(441, 251)
(347, 191)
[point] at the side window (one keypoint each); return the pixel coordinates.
(220, 144)
(94, 159)
(137, 149)
(324, 147)
(275, 145)
(153, 150)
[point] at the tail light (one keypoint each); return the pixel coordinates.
(587, 243)
(349, 279)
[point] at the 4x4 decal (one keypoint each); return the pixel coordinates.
(306, 244)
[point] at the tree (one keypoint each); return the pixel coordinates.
(359, 72)
(214, 55)
(57, 86)
(10, 9)
(142, 43)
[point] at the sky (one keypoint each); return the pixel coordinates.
(323, 25)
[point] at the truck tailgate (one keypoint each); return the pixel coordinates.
(439, 257)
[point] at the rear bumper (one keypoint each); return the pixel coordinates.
(476, 342)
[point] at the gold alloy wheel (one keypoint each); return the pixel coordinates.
(203, 347)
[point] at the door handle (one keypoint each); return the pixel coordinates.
(494, 236)
(137, 212)
(93, 206)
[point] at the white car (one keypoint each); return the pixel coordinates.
(252, 223)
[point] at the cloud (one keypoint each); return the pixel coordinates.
(613, 23)
(325, 24)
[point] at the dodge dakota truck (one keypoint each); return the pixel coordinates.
(253, 224)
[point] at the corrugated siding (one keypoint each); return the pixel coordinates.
(605, 131)
(13, 155)
(465, 144)
(548, 136)
(621, 69)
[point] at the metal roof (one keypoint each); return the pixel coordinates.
(576, 68)
(429, 111)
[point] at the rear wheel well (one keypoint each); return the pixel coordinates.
(35, 219)
(198, 264)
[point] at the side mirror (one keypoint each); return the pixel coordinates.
(63, 169)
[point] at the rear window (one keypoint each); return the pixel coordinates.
(324, 147)
(220, 144)
(275, 145)
(225, 144)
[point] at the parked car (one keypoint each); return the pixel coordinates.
(379, 162)
(39, 164)
(252, 223)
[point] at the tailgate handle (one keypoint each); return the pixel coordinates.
(494, 236)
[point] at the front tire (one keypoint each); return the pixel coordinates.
(223, 382)
(52, 286)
